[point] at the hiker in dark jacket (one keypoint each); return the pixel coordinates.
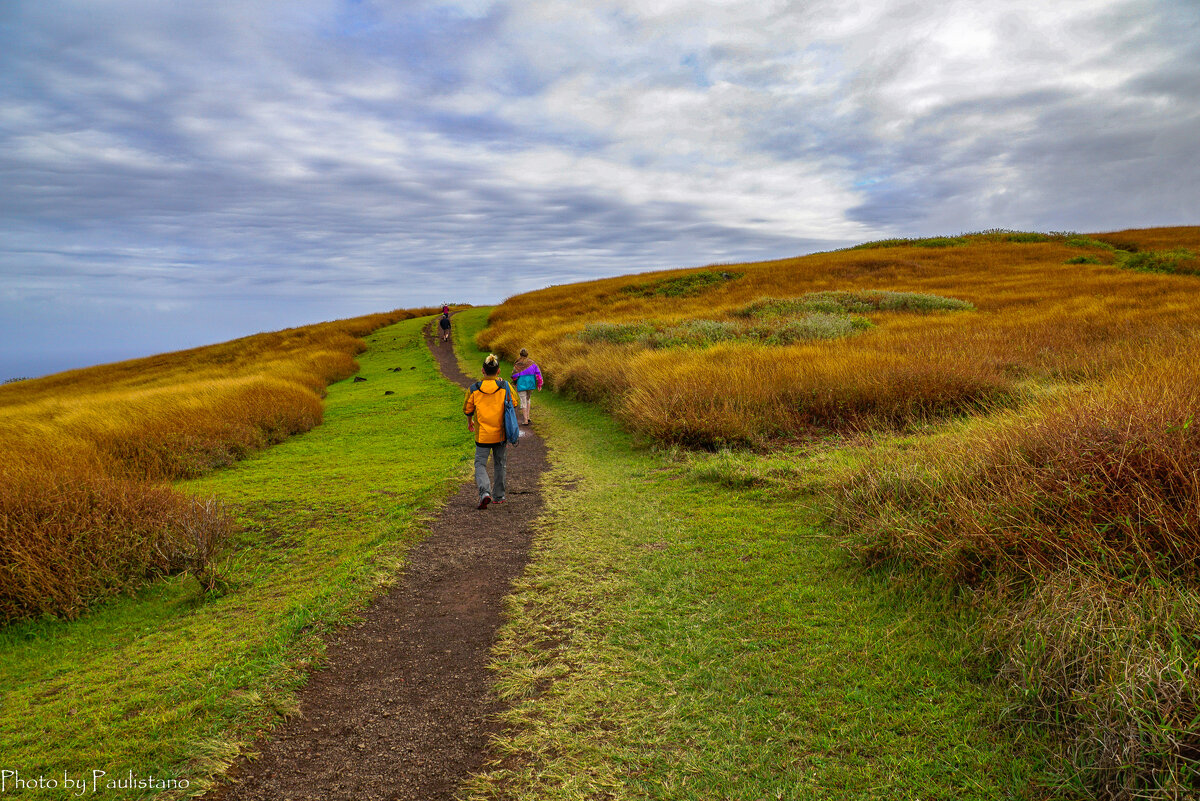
(444, 324)
(528, 377)
(484, 409)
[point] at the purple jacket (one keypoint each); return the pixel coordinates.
(523, 378)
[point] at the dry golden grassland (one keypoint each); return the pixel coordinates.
(85, 509)
(1055, 467)
(1036, 321)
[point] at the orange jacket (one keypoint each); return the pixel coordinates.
(487, 404)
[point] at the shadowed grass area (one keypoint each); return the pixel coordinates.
(687, 630)
(171, 681)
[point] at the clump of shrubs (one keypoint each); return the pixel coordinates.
(1087, 242)
(684, 286)
(852, 302)
(1180, 261)
(93, 534)
(615, 333)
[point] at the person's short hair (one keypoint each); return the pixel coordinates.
(491, 365)
(524, 352)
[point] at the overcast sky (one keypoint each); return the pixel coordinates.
(180, 173)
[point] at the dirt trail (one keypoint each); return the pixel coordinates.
(403, 708)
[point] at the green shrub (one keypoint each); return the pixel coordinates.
(843, 302)
(1179, 261)
(616, 333)
(1083, 260)
(1087, 242)
(694, 333)
(818, 325)
(684, 286)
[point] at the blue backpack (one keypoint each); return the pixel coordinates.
(512, 429)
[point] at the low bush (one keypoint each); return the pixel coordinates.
(1178, 261)
(1087, 242)
(684, 286)
(706, 333)
(810, 327)
(1083, 260)
(846, 302)
(615, 333)
(70, 537)
(695, 333)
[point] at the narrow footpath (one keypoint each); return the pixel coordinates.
(403, 707)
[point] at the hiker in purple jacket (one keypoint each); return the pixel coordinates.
(526, 377)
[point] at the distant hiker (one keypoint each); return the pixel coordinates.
(527, 376)
(484, 409)
(444, 324)
(445, 308)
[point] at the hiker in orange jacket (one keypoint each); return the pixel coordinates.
(484, 408)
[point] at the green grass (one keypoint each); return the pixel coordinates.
(169, 683)
(687, 629)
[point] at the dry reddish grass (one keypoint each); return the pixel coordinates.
(84, 507)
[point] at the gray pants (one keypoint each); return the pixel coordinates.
(499, 460)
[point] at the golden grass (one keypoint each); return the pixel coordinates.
(84, 507)
(1037, 320)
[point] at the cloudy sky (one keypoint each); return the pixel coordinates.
(180, 173)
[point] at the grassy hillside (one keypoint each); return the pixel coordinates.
(856, 338)
(84, 508)
(170, 681)
(1027, 410)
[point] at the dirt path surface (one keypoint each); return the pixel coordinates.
(403, 708)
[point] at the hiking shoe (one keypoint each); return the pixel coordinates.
(484, 501)
(499, 500)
